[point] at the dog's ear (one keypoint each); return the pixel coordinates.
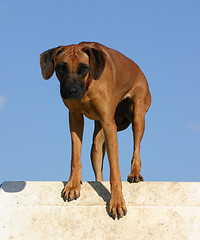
(47, 63)
(97, 61)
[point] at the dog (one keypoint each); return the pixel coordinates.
(109, 88)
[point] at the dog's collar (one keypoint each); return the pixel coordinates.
(86, 89)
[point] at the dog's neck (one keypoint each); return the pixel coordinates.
(87, 88)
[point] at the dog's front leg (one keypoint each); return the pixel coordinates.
(72, 189)
(117, 206)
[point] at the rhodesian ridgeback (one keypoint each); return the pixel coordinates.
(106, 86)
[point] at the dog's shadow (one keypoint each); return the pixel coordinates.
(103, 192)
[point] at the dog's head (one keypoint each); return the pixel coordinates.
(74, 65)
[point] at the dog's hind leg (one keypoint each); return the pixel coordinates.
(98, 151)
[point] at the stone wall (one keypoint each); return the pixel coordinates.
(156, 210)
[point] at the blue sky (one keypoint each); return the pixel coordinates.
(162, 37)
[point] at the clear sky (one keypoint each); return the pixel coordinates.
(162, 37)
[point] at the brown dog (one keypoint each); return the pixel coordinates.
(108, 87)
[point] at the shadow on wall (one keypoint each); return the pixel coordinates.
(103, 192)
(12, 187)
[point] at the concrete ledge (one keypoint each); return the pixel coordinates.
(156, 210)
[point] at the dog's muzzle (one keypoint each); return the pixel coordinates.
(72, 91)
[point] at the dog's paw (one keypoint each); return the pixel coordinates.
(117, 207)
(135, 178)
(71, 191)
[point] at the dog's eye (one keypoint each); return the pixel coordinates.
(83, 69)
(62, 67)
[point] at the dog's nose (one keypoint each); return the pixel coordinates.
(70, 92)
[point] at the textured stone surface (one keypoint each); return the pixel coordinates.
(156, 210)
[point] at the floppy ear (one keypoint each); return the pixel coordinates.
(47, 63)
(97, 61)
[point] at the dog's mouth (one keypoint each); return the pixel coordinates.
(72, 92)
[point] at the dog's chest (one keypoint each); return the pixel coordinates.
(85, 107)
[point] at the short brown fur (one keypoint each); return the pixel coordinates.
(118, 96)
